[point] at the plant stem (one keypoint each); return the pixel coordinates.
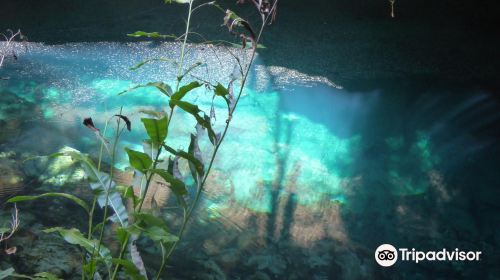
(94, 201)
(183, 49)
(113, 157)
(200, 187)
(155, 162)
(122, 252)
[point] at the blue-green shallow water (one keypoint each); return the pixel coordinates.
(311, 178)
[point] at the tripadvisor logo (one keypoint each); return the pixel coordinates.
(387, 255)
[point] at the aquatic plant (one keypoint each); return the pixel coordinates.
(7, 232)
(158, 161)
(7, 46)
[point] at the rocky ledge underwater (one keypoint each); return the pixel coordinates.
(326, 240)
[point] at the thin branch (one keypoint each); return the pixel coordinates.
(14, 226)
(6, 48)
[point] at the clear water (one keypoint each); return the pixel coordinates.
(311, 178)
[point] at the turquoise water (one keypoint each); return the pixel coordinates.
(311, 178)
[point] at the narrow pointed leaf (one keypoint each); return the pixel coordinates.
(188, 156)
(203, 121)
(71, 197)
(139, 65)
(153, 227)
(194, 66)
(102, 183)
(186, 106)
(46, 275)
(6, 273)
(157, 129)
(211, 134)
(220, 90)
(149, 148)
(152, 113)
(154, 35)
(194, 151)
(138, 160)
(126, 120)
(164, 88)
(121, 235)
(177, 1)
(75, 237)
(183, 91)
(129, 268)
(176, 185)
(173, 167)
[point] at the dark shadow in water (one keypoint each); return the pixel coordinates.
(282, 135)
(449, 146)
(462, 131)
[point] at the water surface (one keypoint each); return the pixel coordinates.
(311, 179)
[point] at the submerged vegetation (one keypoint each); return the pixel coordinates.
(8, 41)
(129, 213)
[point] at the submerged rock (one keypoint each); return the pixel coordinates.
(11, 177)
(55, 171)
(42, 252)
(272, 262)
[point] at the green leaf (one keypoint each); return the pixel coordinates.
(153, 227)
(203, 121)
(149, 148)
(142, 63)
(90, 267)
(121, 235)
(194, 152)
(46, 275)
(232, 19)
(240, 46)
(186, 106)
(214, 139)
(183, 91)
(51, 194)
(153, 113)
(54, 155)
(177, 1)
(188, 156)
(102, 184)
(220, 90)
(157, 129)
(6, 273)
(75, 237)
(153, 35)
(176, 185)
(126, 120)
(164, 88)
(130, 269)
(138, 160)
(128, 193)
(194, 66)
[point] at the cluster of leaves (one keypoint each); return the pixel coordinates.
(157, 160)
